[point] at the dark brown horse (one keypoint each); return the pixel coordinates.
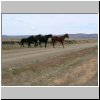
(59, 39)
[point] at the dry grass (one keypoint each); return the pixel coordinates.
(68, 42)
(76, 68)
(79, 75)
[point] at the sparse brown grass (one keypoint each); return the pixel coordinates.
(79, 75)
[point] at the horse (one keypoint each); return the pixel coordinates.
(29, 40)
(59, 39)
(44, 39)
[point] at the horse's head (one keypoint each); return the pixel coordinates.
(31, 37)
(66, 35)
(49, 36)
(39, 35)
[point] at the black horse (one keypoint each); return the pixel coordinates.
(44, 39)
(29, 40)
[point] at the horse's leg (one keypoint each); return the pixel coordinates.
(53, 44)
(40, 44)
(20, 44)
(45, 44)
(62, 44)
(35, 44)
(23, 44)
(29, 45)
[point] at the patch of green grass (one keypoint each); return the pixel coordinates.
(15, 71)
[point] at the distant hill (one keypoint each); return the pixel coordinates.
(16, 37)
(79, 36)
(72, 36)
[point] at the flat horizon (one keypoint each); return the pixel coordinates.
(52, 34)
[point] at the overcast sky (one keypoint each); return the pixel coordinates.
(31, 24)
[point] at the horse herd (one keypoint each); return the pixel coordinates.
(39, 39)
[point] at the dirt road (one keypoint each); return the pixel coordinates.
(74, 65)
(21, 57)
